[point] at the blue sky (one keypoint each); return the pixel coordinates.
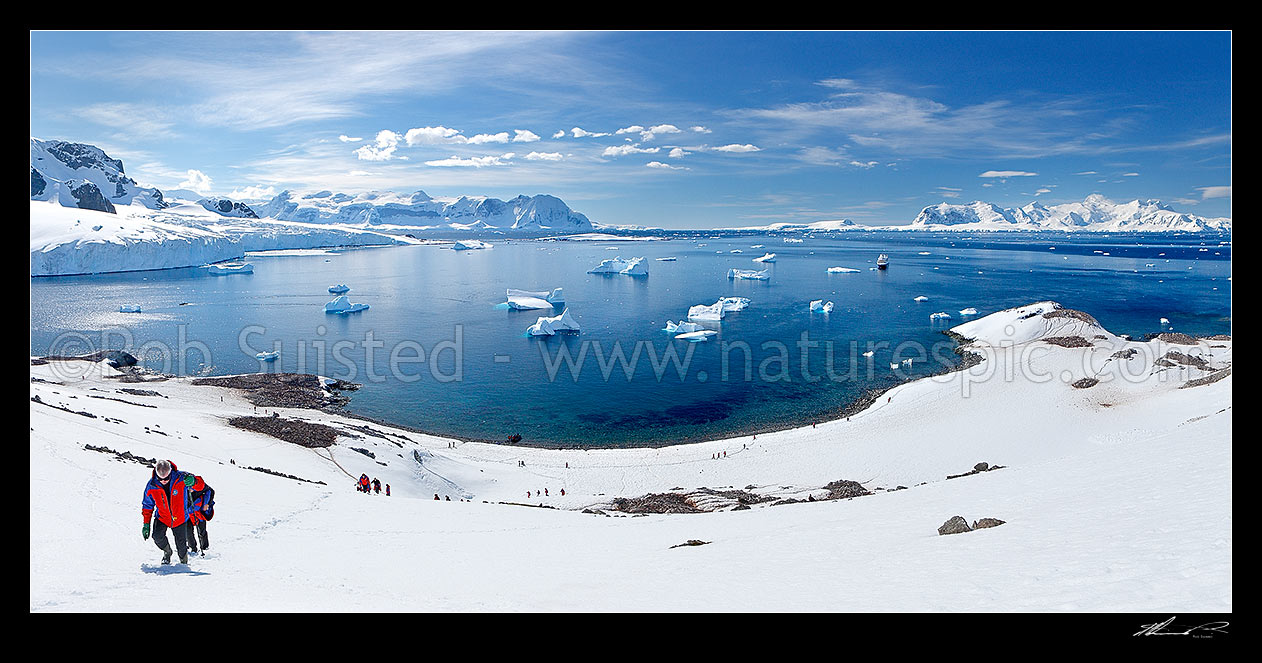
(670, 129)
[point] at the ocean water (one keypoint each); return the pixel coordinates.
(439, 351)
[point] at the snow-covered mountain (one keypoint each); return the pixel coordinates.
(523, 213)
(1095, 214)
(84, 176)
(837, 224)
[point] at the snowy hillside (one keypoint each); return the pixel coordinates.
(1114, 496)
(1095, 214)
(523, 213)
(66, 240)
(83, 176)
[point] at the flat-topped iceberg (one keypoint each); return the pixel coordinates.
(339, 288)
(767, 257)
(267, 356)
(842, 270)
(341, 304)
(469, 245)
(129, 308)
(681, 327)
(751, 274)
(545, 326)
(939, 316)
(225, 268)
(693, 337)
(632, 267)
(523, 300)
(921, 298)
(968, 311)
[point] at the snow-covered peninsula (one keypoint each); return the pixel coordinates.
(1107, 461)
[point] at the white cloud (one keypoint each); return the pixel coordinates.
(347, 139)
(737, 148)
(582, 133)
(653, 132)
(949, 188)
(1208, 192)
(1042, 191)
(678, 153)
(130, 120)
(699, 129)
(862, 164)
(1187, 201)
(544, 156)
(527, 136)
(434, 136)
(1130, 174)
(1087, 172)
(382, 149)
(359, 173)
(623, 150)
(1007, 173)
(633, 129)
(197, 181)
(559, 134)
(473, 162)
(501, 137)
(664, 166)
(253, 192)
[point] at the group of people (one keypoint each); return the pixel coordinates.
(184, 504)
(365, 486)
(542, 493)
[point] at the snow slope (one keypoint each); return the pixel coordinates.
(67, 240)
(1116, 497)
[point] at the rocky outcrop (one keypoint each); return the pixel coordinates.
(987, 522)
(299, 390)
(956, 525)
(228, 207)
(295, 431)
(89, 197)
(1085, 383)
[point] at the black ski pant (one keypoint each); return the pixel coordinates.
(196, 532)
(180, 534)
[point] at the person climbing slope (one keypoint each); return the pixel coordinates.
(166, 492)
(202, 502)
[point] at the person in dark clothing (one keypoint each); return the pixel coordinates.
(202, 499)
(376, 486)
(167, 493)
(387, 490)
(363, 483)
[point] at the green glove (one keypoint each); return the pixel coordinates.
(189, 481)
(144, 531)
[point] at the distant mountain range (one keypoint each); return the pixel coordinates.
(1095, 214)
(522, 214)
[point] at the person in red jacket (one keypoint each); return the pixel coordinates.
(364, 483)
(167, 492)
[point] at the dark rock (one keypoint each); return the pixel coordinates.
(298, 390)
(1068, 341)
(1187, 360)
(741, 507)
(1085, 383)
(365, 452)
(1124, 354)
(691, 542)
(1175, 338)
(955, 525)
(987, 522)
(1071, 313)
(87, 196)
(842, 488)
(1208, 379)
(302, 433)
(656, 503)
(982, 467)
(37, 182)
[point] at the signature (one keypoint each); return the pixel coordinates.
(1195, 631)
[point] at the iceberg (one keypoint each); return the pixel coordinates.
(267, 356)
(841, 270)
(755, 275)
(681, 327)
(667, 259)
(712, 313)
(231, 268)
(734, 303)
(693, 337)
(821, 306)
(791, 240)
(469, 245)
(129, 308)
(921, 298)
(768, 257)
(968, 311)
(736, 251)
(339, 288)
(632, 267)
(343, 306)
(1164, 321)
(545, 326)
(939, 316)
(523, 300)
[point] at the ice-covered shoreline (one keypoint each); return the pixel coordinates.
(1076, 463)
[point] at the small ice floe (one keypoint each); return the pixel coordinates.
(1206, 250)
(792, 240)
(225, 268)
(868, 353)
(921, 298)
(749, 274)
(736, 251)
(563, 323)
(734, 303)
(756, 246)
(129, 308)
(968, 311)
(906, 362)
(666, 259)
(1165, 321)
(339, 288)
(469, 245)
(522, 300)
(893, 367)
(267, 356)
(922, 253)
(694, 337)
(842, 270)
(939, 316)
(631, 267)
(767, 257)
(820, 306)
(343, 306)
(681, 327)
